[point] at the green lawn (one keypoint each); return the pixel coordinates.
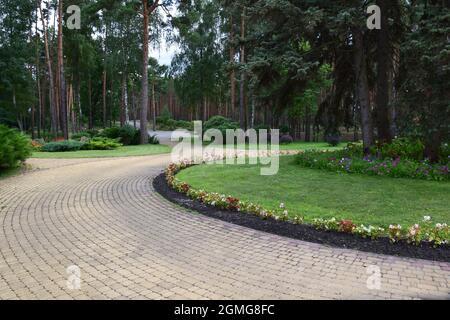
(126, 151)
(294, 146)
(307, 146)
(319, 194)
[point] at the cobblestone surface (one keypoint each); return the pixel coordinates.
(129, 243)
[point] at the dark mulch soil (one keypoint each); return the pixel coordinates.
(304, 232)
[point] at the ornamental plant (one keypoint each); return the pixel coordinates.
(346, 226)
(414, 234)
(395, 233)
(369, 231)
(437, 234)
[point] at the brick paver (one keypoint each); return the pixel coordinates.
(104, 217)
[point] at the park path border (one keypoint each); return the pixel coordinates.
(304, 232)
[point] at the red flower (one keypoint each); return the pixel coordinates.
(233, 203)
(346, 226)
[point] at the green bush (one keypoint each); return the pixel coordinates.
(339, 161)
(99, 143)
(445, 152)
(164, 117)
(79, 135)
(284, 129)
(404, 148)
(14, 147)
(220, 123)
(262, 127)
(188, 125)
(63, 146)
(127, 134)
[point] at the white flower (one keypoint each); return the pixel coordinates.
(282, 206)
(438, 226)
(426, 218)
(285, 212)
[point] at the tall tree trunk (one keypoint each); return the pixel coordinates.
(153, 105)
(383, 70)
(62, 82)
(104, 96)
(122, 102)
(308, 124)
(232, 71)
(52, 95)
(144, 85)
(147, 11)
(242, 112)
(91, 112)
(362, 89)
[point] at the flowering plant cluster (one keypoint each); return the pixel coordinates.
(438, 234)
(369, 231)
(392, 167)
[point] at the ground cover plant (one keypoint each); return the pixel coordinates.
(401, 209)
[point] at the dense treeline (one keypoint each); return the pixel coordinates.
(313, 66)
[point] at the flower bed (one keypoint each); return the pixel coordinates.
(425, 232)
(341, 161)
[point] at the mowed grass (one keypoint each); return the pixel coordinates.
(125, 151)
(314, 193)
(293, 146)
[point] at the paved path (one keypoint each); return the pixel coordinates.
(104, 217)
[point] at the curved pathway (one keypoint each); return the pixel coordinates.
(104, 217)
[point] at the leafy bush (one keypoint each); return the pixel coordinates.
(164, 117)
(112, 133)
(153, 139)
(79, 135)
(63, 146)
(339, 161)
(445, 152)
(284, 129)
(100, 143)
(333, 139)
(127, 134)
(171, 124)
(188, 125)
(403, 148)
(37, 144)
(261, 127)
(14, 147)
(286, 139)
(220, 123)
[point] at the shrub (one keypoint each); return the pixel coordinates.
(284, 130)
(286, 139)
(181, 124)
(14, 147)
(37, 144)
(445, 152)
(220, 123)
(333, 139)
(354, 149)
(100, 143)
(262, 127)
(153, 139)
(79, 135)
(346, 226)
(164, 117)
(63, 146)
(403, 148)
(112, 133)
(127, 134)
(339, 161)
